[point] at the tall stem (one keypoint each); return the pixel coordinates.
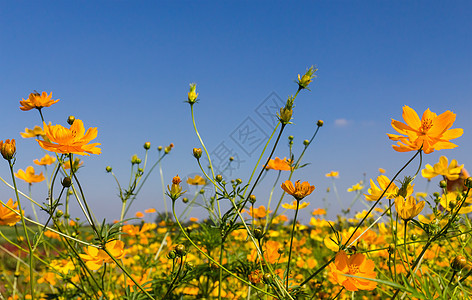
(291, 241)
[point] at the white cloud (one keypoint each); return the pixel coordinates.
(341, 122)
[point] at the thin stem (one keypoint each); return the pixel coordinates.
(291, 241)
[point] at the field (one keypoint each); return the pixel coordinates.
(406, 245)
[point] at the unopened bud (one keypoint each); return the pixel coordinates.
(197, 153)
(8, 149)
(70, 120)
(231, 158)
(59, 213)
(319, 123)
(66, 182)
(185, 200)
(238, 181)
(459, 263)
(306, 142)
(443, 184)
(290, 137)
(108, 169)
(258, 233)
(468, 182)
(180, 250)
(147, 145)
(252, 199)
(218, 178)
(159, 148)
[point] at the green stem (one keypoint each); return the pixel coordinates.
(291, 241)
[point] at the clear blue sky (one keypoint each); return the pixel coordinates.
(125, 66)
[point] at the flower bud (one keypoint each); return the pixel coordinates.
(147, 145)
(218, 178)
(307, 78)
(171, 254)
(306, 142)
(443, 184)
(192, 95)
(231, 158)
(459, 263)
(135, 159)
(159, 148)
(70, 120)
(252, 199)
(468, 182)
(168, 148)
(267, 278)
(319, 123)
(239, 181)
(185, 200)
(8, 149)
(180, 250)
(59, 213)
(258, 233)
(290, 137)
(285, 115)
(197, 153)
(66, 182)
(108, 169)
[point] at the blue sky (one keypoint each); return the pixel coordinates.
(124, 67)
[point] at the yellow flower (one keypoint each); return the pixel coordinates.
(357, 187)
(279, 164)
(307, 78)
(150, 210)
(29, 175)
(430, 133)
(356, 265)
(299, 191)
(74, 140)
(293, 205)
(94, 257)
(8, 217)
(375, 191)
(197, 180)
(76, 164)
(8, 149)
(176, 190)
(334, 174)
(35, 100)
(35, 132)
(318, 212)
(452, 200)
(451, 172)
(407, 208)
(46, 160)
(381, 171)
(192, 95)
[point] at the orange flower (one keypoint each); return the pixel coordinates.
(29, 175)
(319, 211)
(356, 265)
(94, 257)
(334, 174)
(279, 164)
(74, 140)
(198, 180)
(258, 212)
(407, 208)
(8, 217)
(299, 191)
(139, 214)
(150, 210)
(431, 132)
(46, 160)
(175, 190)
(35, 132)
(8, 149)
(35, 100)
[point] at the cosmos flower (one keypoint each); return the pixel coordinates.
(451, 171)
(94, 257)
(8, 217)
(293, 205)
(429, 133)
(356, 265)
(74, 140)
(38, 101)
(407, 208)
(46, 160)
(197, 180)
(29, 175)
(278, 164)
(299, 191)
(35, 132)
(334, 174)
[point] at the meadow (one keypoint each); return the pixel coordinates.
(406, 245)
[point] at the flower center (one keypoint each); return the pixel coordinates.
(353, 269)
(426, 125)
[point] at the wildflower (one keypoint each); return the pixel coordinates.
(375, 191)
(46, 160)
(381, 171)
(458, 184)
(35, 132)
(293, 205)
(259, 212)
(8, 149)
(197, 180)
(255, 277)
(318, 212)
(143, 280)
(176, 190)
(139, 214)
(452, 200)
(76, 164)
(430, 133)
(29, 175)
(299, 191)
(357, 187)
(74, 140)
(286, 112)
(192, 95)
(356, 265)
(8, 217)
(407, 208)
(451, 172)
(150, 210)
(279, 164)
(35, 100)
(307, 78)
(197, 153)
(333, 174)
(94, 257)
